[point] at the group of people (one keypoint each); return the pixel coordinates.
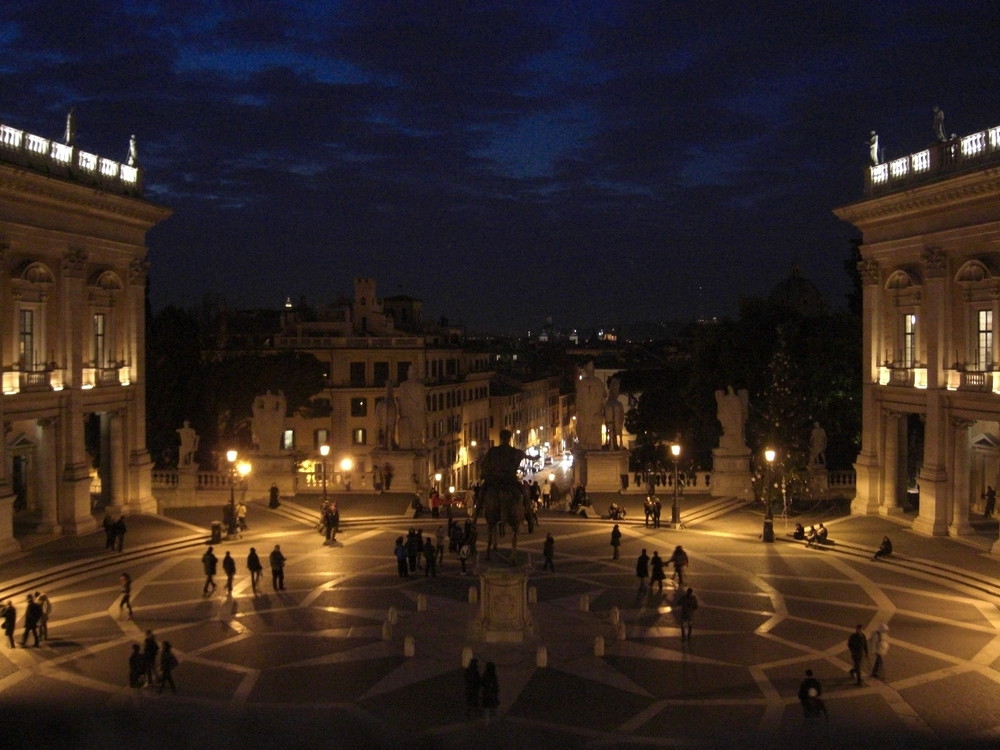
(861, 647)
(653, 568)
(210, 564)
(114, 533)
(142, 664)
(652, 508)
(36, 619)
(482, 691)
(329, 520)
(418, 552)
(815, 534)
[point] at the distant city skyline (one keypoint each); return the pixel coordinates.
(596, 162)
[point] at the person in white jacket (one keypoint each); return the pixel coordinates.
(879, 645)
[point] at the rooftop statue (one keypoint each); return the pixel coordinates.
(188, 444)
(873, 148)
(817, 446)
(939, 131)
(614, 416)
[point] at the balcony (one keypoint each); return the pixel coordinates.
(974, 381)
(47, 377)
(898, 375)
(116, 374)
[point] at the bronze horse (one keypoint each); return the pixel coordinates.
(502, 504)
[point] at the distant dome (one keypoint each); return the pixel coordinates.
(799, 294)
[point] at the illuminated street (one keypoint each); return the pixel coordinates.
(312, 660)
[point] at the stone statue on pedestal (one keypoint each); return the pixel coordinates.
(412, 420)
(188, 445)
(817, 446)
(387, 413)
(269, 421)
(591, 398)
(732, 415)
(614, 416)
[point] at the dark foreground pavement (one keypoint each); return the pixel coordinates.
(317, 665)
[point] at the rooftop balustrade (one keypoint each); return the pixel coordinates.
(63, 160)
(939, 160)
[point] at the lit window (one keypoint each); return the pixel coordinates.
(984, 339)
(288, 440)
(359, 436)
(909, 340)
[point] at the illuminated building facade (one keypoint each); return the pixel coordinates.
(72, 287)
(930, 269)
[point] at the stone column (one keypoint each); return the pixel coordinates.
(938, 471)
(117, 462)
(140, 464)
(867, 466)
(47, 471)
(74, 491)
(960, 525)
(891, 460)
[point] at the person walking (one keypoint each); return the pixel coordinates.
(430, 558)
(229, 568)
(616, 542)
(490, 691)
(9, 622)
(680, 561)
(120, 530)
(656, 572)
(439, 537)
(210, 563)
(277, 568)
(642, 569)
(880, 647)
(150, 648)
(109, 532)
(126, 600)
(809, 696)
(548, 551)
(473, 682)
(136, 667)
(167, 663)
(255, 568)
(857, 644)
(43, 624)
(32, 615)
(688, 603)
(991, 501)
(401, 564)
(657, 512)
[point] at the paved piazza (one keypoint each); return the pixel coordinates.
(318, 666)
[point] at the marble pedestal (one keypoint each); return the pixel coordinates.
(731, 473)
(503, 609)
(601, 471)
(409, 468)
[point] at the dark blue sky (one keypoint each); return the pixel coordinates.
(591, 161)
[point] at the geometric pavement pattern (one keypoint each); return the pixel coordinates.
(317, 665)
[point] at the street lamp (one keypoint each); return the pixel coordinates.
(675, 511)
(236, 468)
(767, 534)
(346, 464)
(324, 451)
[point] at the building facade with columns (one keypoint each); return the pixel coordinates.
(72, 293)
(930, 268)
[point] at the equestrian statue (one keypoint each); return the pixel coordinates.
(501, 497)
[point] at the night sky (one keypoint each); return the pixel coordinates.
(596, 162)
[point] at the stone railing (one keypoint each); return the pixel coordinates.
(56, 158)
(687, 481)
(846, 479)
(940, 159)
(347, 342)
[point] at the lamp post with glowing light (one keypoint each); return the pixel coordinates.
(324, 451)
(236, 469)
(675, 511)
(346, 464)
(767, 534)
